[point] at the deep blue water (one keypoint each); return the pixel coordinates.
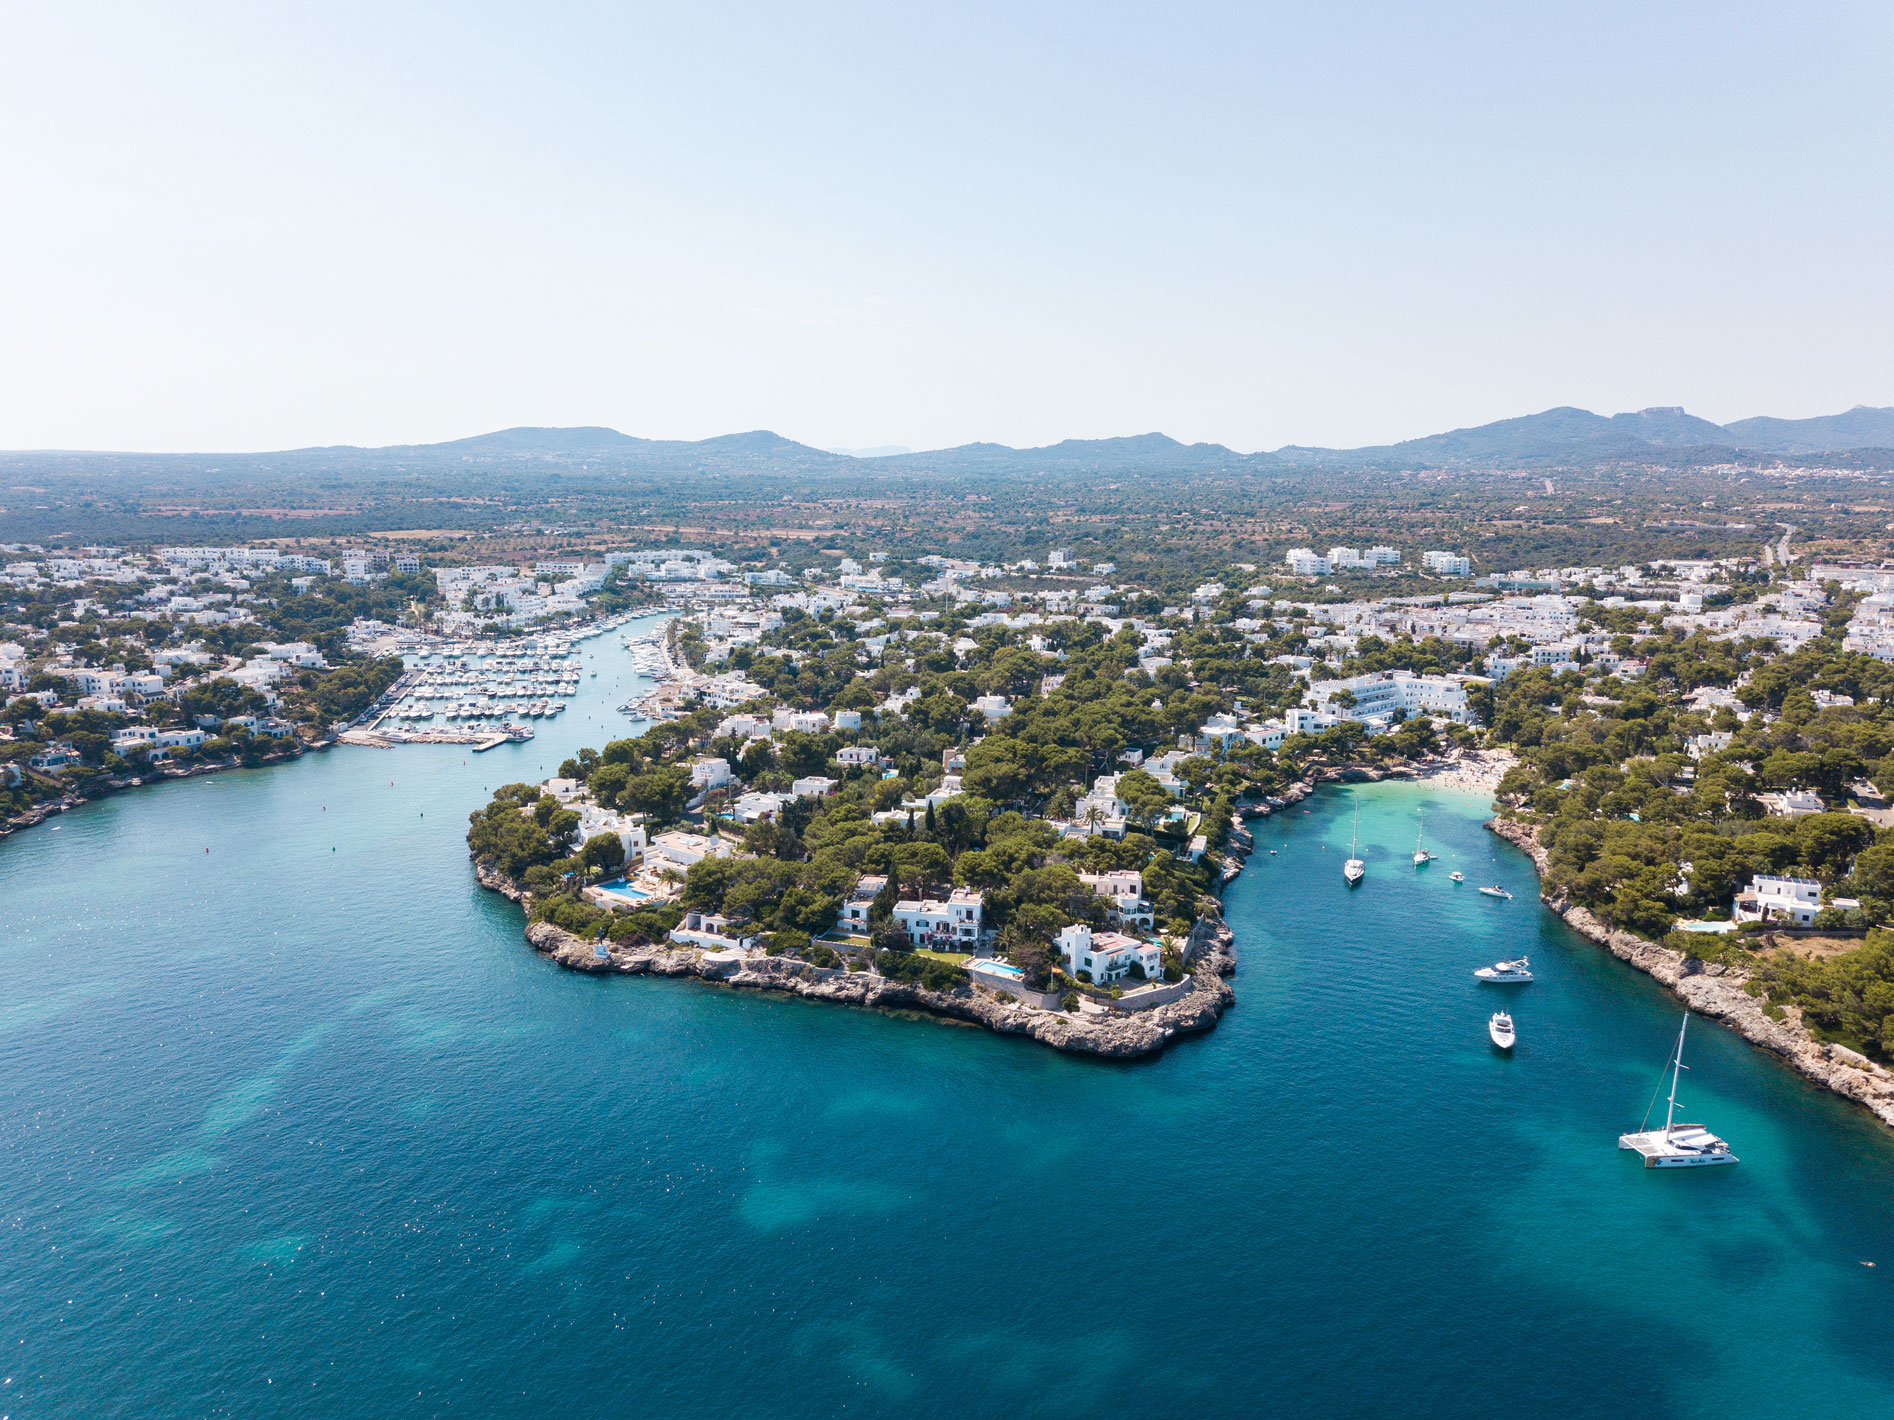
(299, 1126)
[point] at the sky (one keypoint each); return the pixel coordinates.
(264, 226)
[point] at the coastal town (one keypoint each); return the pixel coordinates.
(1018, 747)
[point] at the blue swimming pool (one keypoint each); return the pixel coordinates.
(618, 887)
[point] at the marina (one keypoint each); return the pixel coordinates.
(484, 692)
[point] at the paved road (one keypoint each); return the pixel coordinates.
(1789, 530)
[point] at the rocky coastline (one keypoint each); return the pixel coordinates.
(1101, 1032)
(1717, 991)
(1107, 1034)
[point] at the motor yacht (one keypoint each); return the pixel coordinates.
(1500, 1028)
(1506, 972)
(1497, 891)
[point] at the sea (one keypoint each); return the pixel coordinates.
(293, 1123)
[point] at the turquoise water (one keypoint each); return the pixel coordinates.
(299, 1126)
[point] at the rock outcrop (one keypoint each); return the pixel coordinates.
(1104, 1033)
(1714, 990)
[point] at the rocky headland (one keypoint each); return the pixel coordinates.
(1092, 1030)
(1717, 991)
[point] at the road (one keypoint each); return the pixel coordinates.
(1781, 549)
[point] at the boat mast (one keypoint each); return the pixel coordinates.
(1676, 1065)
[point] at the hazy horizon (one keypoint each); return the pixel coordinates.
(858, 452)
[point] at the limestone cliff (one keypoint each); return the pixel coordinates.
(1713, 990)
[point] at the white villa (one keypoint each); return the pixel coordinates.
(1791, 900)
(683, 850)
(955, 922)
(1125, 891)
(1107, 956)
(710, 773)
(627, 828)
(855, 911)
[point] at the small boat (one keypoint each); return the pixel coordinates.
(1456, 876)
(1354, 869)
(1504, 972)
(1421, 856)
(1497, 891)
(1501, 1029)
(1676, 1146)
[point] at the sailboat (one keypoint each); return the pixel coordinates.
(1421, 856)
(1354, 869)
(1676, 1146)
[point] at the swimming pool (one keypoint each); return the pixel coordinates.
(619, 888)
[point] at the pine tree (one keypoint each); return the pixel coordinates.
(882, 908)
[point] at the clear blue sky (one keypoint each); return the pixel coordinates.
(258, 226)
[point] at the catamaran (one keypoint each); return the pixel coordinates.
(1500, 1028)
(1676, 1146)
(1505, 972)
(1421, 856)
(1354, 869)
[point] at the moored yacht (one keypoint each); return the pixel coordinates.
(1676, 1146)
(1421, 856)
(1456, 876)
(1506, 972)
(1500, 1028)
(1497, 891)
(1354, 869)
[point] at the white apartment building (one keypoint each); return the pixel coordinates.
(1380, 694)
(1447, 564)
(1304, 562)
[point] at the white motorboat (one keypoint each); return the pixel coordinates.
(1421, 856)
(1497, 891)
(1676, 1146)
(1354, 869)
(1500, 1028)
(1456, 876)
(1506, 972)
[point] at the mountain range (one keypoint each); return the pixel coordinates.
(1563, 435)
(1556, 437)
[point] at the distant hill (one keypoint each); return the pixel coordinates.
(1862, 427)
(1157, 452)
(1554, 437)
